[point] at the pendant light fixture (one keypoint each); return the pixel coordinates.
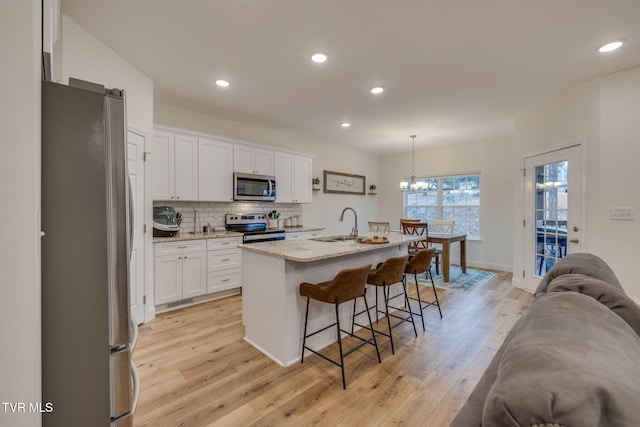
(412, 185)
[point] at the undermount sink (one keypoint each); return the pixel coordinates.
(337, 238)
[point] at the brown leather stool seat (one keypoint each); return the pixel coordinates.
(347, 285)
(418, 264)
(388, 273)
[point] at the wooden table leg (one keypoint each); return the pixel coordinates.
(446, 246)
(463, 255)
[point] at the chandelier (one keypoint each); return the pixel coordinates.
(412, 185)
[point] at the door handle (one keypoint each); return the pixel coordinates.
(574, 240)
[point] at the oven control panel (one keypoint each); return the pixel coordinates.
(253, 218)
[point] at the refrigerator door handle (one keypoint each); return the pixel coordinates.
(136, 387)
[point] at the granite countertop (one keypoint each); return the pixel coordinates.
(311, 250)
(218, 234)
(186, 236)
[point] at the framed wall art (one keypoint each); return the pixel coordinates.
(344, 183)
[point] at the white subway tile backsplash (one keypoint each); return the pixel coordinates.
(213, 212)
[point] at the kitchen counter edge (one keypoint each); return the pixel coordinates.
(197, 236)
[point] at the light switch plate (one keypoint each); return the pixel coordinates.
(622, 214)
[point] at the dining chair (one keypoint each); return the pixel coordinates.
(441, 226)
(417, 228)
(379, 226)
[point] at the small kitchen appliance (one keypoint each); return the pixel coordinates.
(253, 226)
(252, 187)
(165, 221)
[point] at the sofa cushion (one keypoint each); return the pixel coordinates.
(612, 297)
(573, 362)
(579, 263)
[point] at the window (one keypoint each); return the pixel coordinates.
(454, 198)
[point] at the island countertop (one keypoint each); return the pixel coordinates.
(312, 250)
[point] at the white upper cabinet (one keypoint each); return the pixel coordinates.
(293, 177)
(252, 159)
(215, 170)
(186, 167)
(175, 166)
(163, 170)
(192, 166)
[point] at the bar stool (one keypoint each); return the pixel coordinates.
(347, 285)
(386, 274)
(421, 263)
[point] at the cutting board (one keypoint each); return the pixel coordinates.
(376, 240)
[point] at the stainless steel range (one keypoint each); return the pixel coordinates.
(253, 226)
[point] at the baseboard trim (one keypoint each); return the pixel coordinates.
(485, 265)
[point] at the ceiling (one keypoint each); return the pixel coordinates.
(453, 70)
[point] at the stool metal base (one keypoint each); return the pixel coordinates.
(339, 330)
(387, 314)
(424, 304)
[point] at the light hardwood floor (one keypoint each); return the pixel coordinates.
(196, 370)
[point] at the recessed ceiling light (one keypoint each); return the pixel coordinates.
(610, 46)
(318, 57)
(223, 83)
(377, 89)
(345, 124)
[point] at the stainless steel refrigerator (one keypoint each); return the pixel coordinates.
(88, 376)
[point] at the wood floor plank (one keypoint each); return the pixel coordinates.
(196, 369)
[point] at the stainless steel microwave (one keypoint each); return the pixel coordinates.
(248, 186)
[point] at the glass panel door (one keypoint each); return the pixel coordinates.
(553, 210)
(551, 192)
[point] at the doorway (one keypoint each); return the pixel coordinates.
(553, 192)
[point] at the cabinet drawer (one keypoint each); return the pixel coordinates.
(222, 259)
(171, 248)
(223, 243)
(224, 279)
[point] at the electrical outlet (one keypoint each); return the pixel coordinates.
(622, 214)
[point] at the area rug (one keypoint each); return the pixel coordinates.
(458, 281)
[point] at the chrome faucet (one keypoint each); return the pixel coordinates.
(354, 231)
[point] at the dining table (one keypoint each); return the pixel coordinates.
(446, 239)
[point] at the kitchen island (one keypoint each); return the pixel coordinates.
(272, 308)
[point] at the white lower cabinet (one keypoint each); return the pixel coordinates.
(224, 264)
(180, 270)
(188, 269)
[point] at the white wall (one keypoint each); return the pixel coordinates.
(603, 113)
(493, 159)
(82, 56)
(20, 370)
(326, 208)
(620, 153)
